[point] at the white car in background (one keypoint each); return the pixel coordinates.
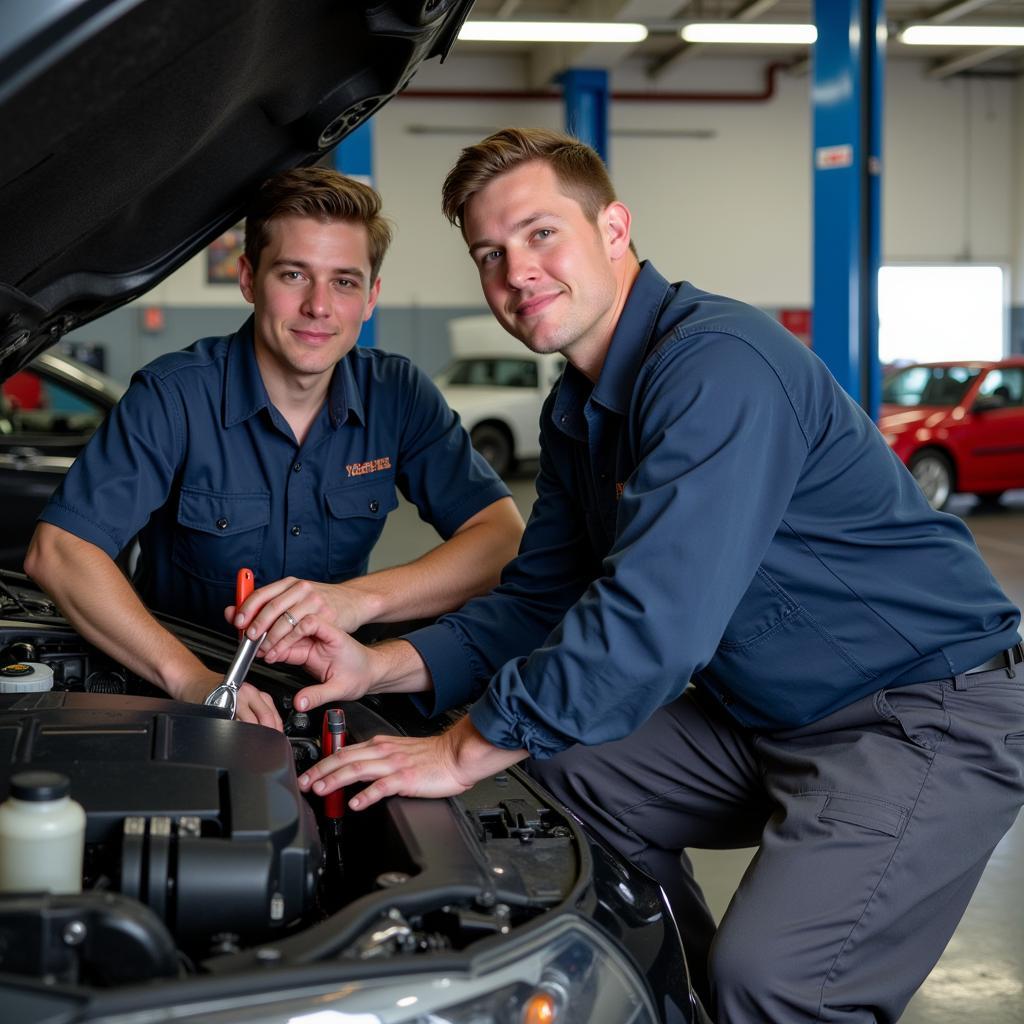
(497, 386)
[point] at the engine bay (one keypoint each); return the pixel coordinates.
(195, 817)
(202, 856)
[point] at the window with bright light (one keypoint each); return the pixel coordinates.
(930, 314)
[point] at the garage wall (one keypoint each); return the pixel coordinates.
(669, 162)
(720, 192)
(127, 345)
(949, 165)
(1017, 284)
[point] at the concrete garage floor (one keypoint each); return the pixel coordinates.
(981, 975)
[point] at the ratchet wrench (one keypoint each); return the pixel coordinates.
(225, 696)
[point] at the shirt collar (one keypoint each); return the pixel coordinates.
(631, 339)
(343, 396)
(244, 391)
(245, 394)
(629, 345)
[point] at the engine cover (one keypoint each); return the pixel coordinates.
(198, 817)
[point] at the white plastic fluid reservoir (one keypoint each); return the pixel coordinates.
(42, 835)
(25, 677)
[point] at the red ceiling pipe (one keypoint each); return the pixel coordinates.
(761, 96)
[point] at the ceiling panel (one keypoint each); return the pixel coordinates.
(663, 48)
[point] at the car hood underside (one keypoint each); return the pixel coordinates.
(134, 132)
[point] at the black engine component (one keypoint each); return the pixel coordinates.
(197, 817)
(21, 651)
(105, 682)
(98, 937)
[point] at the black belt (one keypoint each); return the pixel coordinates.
(1003, 660)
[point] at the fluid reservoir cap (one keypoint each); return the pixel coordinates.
(37, 786)
(26, 677)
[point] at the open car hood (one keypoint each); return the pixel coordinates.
(135, 131)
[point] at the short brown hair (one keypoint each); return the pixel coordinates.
(581, 173)
(321, 193)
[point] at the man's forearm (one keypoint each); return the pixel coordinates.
(474, 755)
(466, 565)
(398, 668)
(101, 604)
(345, 668)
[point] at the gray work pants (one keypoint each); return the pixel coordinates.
(873, 827)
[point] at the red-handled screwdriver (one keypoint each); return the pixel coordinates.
(332, 739)
(245, 583)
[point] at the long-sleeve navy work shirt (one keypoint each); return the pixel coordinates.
(715, 508)
(198, 461)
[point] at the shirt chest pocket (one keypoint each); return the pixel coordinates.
(218, 533)
(355, 520)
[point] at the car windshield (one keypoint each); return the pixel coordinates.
(35, 403)
(501, 373)
(929, 385)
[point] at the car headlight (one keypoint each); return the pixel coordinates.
(569, 974)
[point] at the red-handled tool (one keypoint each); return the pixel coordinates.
(332, 739)
(225, 696)
(245, 584)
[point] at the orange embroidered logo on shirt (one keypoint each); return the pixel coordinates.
(619, 488)
(373, 466)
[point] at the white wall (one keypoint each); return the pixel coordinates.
(730, 213)
(949, 168)
(1017, 168)
(700, 205)
(188, 287)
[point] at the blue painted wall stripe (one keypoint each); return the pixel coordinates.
(354, 157)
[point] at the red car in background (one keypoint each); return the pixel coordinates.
(958, 426)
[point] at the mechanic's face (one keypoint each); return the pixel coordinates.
(311, 293)
(552, 278)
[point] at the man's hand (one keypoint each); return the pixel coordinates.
(101, 604)
(469, 563)
(252, 705)
(345, 668)
(274, 608)
(433, 766)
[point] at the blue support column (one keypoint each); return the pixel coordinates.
(847, 96)
(354, 157)
(585, 95)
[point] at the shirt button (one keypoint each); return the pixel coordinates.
(297, 467)
(222, 523)
(296, 530)
(374, 505)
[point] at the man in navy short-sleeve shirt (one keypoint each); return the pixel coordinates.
(280, 448)
(711, 507)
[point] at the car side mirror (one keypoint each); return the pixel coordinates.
(986, 403)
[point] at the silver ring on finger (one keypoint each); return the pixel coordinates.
(292, 621)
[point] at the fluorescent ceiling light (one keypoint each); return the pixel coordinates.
(553, 32)
(962, 35)
(747, 32)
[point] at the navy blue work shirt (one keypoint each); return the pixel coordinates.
(715, 508)
(197, 461)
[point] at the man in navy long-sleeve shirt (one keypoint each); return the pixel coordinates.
(712, 507)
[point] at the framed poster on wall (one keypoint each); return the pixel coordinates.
(222, 255)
